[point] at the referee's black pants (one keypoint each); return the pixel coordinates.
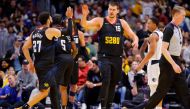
(169, 78)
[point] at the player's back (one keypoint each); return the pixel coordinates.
(43, 48)
(63, 43)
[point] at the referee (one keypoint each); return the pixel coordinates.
(170, 71)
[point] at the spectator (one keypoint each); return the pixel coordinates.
(90, 47)
(147, 8)
(2, 74)
(10, 71)
(11, 36)
(132, 73)
(10, 96)
(27, 80)
(162, 18)
(82, 77)
(125, 65)
(186, 54)
(93, 84)
(4, 65)
(3, 37)
(15, 56)
(140, 93)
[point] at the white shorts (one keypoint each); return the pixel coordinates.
(153, 72)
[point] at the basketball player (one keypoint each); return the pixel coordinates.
(80, 44)
(64, 59)
(41, 40)
(111, 30)
(153, 55)
(170, 71)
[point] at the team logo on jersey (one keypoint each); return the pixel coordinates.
(153, 79)
(46, 84)
(118, 28)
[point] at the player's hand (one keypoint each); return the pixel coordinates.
(85, 10)
(138, 68)
(69, 12)
(31, 67)
(176, 68)
(135, 44)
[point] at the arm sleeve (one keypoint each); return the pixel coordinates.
(167, 34)
(69, 28)
(84, 52)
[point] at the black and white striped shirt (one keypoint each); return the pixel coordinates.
(172, 34)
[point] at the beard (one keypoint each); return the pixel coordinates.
(112, 16)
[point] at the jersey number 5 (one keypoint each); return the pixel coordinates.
(63, 42)
(37, 46)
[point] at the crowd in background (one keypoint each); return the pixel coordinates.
(18, 18)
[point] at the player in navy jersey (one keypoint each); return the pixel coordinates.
(41, 42)
(78, 37)
(65, 46)
(111, 30)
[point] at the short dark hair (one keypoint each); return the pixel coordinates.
(43, 17)
(57, 19)
(177, 9)
(114, 3)
(154, 20)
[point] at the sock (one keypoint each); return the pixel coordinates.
(25, 106)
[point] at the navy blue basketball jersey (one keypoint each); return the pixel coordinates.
(43, 48)
(111, 38)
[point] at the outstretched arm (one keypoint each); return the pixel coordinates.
(93, 24)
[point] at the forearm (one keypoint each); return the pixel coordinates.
(99, 84)
(84, 22)
(168, 56)
(74, 48)
(146, 58)
(143, 48)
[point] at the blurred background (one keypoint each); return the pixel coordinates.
(18, 18)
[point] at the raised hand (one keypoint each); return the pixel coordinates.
(85, 10)
(69, 12)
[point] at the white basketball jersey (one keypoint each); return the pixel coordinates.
(153, 70)
(158, 51)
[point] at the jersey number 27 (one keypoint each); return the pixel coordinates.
(37, 46)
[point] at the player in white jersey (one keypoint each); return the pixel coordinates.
(154, 43)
